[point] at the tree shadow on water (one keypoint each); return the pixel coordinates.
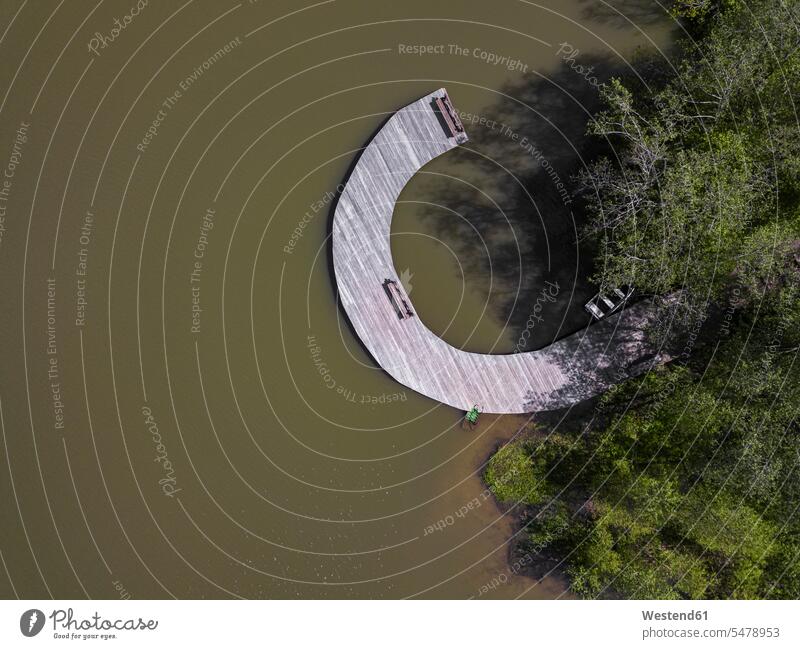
(523, 152)
(625, 13)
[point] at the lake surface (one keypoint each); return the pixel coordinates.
(185, 410)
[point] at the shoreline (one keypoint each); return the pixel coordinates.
(540, 568)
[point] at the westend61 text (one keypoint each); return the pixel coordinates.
(673, 615)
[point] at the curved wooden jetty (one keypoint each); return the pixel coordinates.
(566, 372)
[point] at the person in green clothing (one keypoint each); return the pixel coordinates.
(471, 418)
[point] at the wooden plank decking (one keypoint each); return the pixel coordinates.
(570, 370)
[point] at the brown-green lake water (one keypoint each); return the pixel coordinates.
(185, 410)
